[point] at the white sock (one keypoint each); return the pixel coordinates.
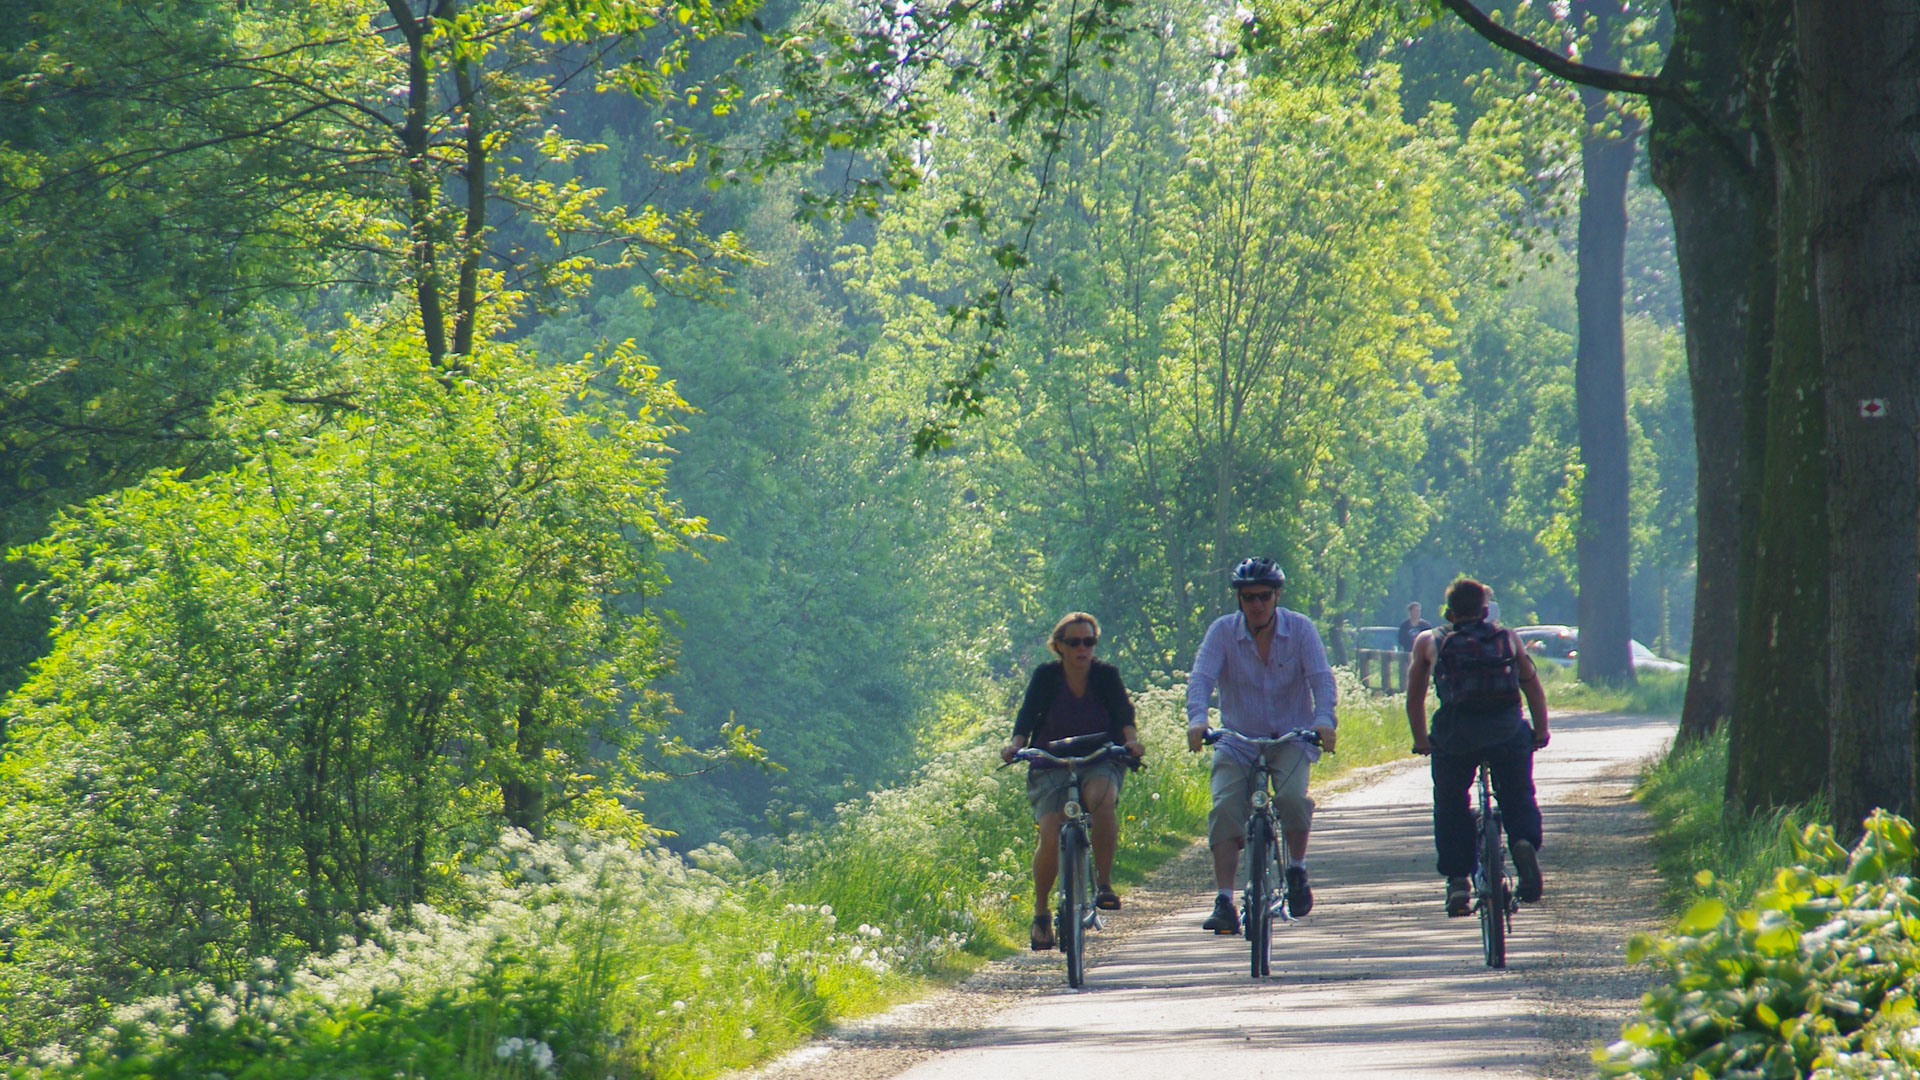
(1226, 894)
(1299, 864)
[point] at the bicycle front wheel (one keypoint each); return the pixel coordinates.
(1493, 901)
(1070, 927)
(1261, 875)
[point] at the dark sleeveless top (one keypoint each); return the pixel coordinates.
(1048, 703)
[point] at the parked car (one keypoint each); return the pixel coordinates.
(1376, 637)
(1561, 644)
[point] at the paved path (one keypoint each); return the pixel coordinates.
(1377, 982)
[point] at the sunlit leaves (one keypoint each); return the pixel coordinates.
(281, 695)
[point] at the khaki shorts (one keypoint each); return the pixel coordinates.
(1227, 824)
(1047, 788)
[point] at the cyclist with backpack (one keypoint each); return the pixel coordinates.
(1482, 673)
(1272, 673)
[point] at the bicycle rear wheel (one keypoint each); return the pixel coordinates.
(1069, 927)
(1493, 900)
(1261, 873)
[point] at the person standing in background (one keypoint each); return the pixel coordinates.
(1412, 627)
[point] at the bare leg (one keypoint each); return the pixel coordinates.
(1046, 863)
(1296, 844)
(1226, 863)
(1105, 809)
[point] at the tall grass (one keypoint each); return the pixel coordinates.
(1694, 835)
(584, 956)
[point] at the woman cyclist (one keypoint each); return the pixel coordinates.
(1072, 696)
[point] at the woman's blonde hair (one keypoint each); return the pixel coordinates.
(1060, 628)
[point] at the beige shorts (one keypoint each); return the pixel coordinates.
(1047, 788)
(1227, 824)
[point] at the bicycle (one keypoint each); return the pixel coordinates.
(1265, 898)
(1494, 896)
(1077, 913)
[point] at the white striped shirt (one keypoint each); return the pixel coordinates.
(1291, 690)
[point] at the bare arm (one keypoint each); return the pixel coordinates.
(1535, 694)
(1419, 671)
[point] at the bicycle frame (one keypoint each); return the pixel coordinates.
(1076, 914)
(1265, 897)
(1493, 892)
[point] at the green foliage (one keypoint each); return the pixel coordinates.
(1652, 693)
(1693, 832)
(1221, 344)
(281, 696)
(1814, 978)
(585, 957)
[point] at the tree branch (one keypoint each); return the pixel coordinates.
(1617, 82)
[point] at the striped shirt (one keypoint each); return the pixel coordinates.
(1289, 691)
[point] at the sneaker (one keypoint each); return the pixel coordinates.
(1299, 897)
(1224, 919)
(1459, 897)
(1526, 862)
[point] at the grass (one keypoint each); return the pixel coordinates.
(1653, 693)
(582, 956)
(1694, 835)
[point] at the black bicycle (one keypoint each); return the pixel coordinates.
(1077, 913)
(1265, 899)
(1494, 898)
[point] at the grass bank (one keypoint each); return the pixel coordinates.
(1694, 835)
(577, 955)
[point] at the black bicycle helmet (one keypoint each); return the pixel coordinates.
(1258, 571)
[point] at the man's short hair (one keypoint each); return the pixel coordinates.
(1413, 605)
(1467, 599)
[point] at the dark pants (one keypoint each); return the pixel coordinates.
(1453, 800)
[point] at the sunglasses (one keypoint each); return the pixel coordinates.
(1076, 642)
(1263, 597)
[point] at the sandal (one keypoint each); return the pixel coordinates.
(1041, 938)
(1108, 900)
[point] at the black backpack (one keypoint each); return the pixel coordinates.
(1475, 664)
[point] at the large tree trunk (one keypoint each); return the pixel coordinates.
(1860, 102)
(1713, 200)
(1600, 387)
(1781, 698)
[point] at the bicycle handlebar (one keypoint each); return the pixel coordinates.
(1035, 756)
(1305, 735)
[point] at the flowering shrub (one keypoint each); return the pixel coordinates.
(1815, 979)
(587, 956)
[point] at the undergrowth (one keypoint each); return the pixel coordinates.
(580, 955)
(1693, 832)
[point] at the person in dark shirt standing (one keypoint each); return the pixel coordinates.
(1412, 627)
(1068, 697)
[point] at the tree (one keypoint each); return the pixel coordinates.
(1608, 147)
(285, 694)
(1858, 104)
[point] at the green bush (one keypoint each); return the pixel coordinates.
(1815, 978)
(583, 956)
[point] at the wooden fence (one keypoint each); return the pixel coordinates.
(1384, 670)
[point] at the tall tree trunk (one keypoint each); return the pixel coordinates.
(1600, 387)
(1781, 697)
(1860, 102)
(1713, 200)
(523, 796)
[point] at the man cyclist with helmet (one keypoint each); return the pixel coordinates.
(1481, 672)
(1272, 674)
